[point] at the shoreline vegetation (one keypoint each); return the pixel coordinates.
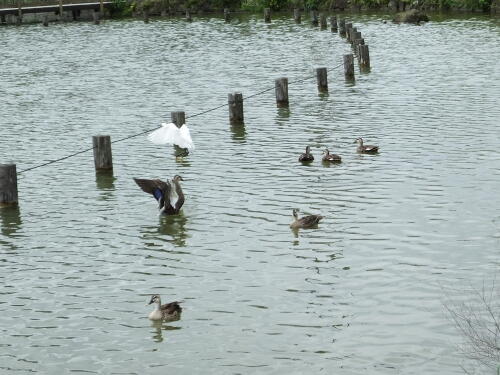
(174, 7)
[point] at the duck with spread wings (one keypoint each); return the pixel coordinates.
(168, 194)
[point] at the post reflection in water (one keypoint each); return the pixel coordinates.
(238, 132)
(105, 182)
(11, 224)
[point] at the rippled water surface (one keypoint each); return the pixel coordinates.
(362, 294)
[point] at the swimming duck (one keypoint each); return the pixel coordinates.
(332, 158)
(170, 198)
(365, 149)
(168, 312)
(306, 156)
(306, 221)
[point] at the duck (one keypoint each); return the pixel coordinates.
(306, 156)
(168, 193)
(332, 158)
(168, 312)
(365, 149)
(304, 222)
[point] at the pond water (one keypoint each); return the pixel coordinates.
(362, 293)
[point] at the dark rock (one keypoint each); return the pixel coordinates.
(411, 16)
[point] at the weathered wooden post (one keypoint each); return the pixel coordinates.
(227, 15)
(281, 90)
(364, 57)
(45, 20)
(61, 13)
(103, 159)
(351, 34)
(356, 35)
(235, 104)
(267, 15)
(349, 67)
(188, 16)
(2, 19)
(348, 27)
(297, 16)
(342, 30)
(322, 21)
(8, 185)
(146, 16)
(322, 79)
(101, 7)
(333, 24)
(179, 119)
(19, 19)
(314, 18)
(95, 15)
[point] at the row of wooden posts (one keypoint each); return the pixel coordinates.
(103, 160)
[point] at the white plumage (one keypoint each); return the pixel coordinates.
(171, 134)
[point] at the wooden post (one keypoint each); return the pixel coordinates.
(188, 16)
(146, 16)
(45, 20)
(103, 159)
(364, 57)
(281, 89)
(227, 15)
(322, 21)
(8, 185)
(314, 18)
(2, 19)
(349, 67)
(179, 119)
(322, 79)
(95, 15)
(296, 15)
(348, 27)
(333, 24)
(235, 104)
(19, 19)
(60, 11)
(267, 15)
(352, 34)
(342, 31)
(101, 7)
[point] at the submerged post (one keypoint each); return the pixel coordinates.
(322, 79)
(297, 16)
(342, 31)
(322, 21)
(103, 159)
(314, 18)
(349, 67)
(333, 24)
(364, 57)
(227, 15)
(235, 104)
(281, 90)
(267, 15)
(95, 15)
(8, 185)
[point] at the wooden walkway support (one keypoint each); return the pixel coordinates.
(322, 79)
(45, 20)
(349, 67)
(188, 16)
(322, 21)
(146, 16)
(281, 90)
(333, 24)
(314, 18)
(227, 15)
(95, 15)
(342, 27)
(235, 105)
(8, 185)
(103, 158)
(297, 16)
(267, 15)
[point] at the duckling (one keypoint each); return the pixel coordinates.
(307, 156)
(365, 149)
(306, 221)
(168, 312)
(332, 158)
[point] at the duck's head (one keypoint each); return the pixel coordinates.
(326, 152)
(295, 213)
(177, 178)
(154, 298)
(359, 141)
(308, 149)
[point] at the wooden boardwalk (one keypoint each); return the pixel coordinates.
(56, 8)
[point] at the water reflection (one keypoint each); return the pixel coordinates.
(105, 182)
(11, 223)
(172, 226)
(238, 132)
(158, 327)
(283, 113)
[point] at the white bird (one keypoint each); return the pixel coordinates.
(171, 134)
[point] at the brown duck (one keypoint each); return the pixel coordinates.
(331, 158)
(305, 222)
(306, 156)
(365, 149)
(168, 194)
(168, 312)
